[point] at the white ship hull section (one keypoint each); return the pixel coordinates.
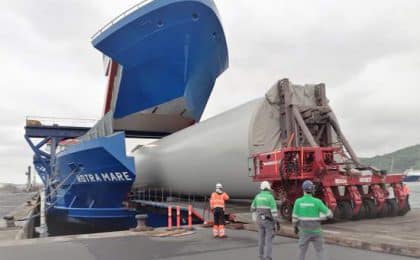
(193, 160)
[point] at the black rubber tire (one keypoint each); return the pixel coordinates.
(392, 207)
(370, 207)
(405, 209)
(337, 214)
(384, 211)
(362, 214)
(346, 210)
(286, 211)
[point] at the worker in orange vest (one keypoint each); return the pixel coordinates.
(217, 205)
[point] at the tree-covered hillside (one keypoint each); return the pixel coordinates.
(404, 159)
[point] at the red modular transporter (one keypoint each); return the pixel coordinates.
(314, 148)
(349, 193)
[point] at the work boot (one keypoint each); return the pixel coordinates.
(222, 231)
(215, 231)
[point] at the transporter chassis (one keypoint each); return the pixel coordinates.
(317, 150)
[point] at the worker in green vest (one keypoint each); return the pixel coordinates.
(265, 207)
(308, 212)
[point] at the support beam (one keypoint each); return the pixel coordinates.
(304, 128)
(43, 131)
(320, 132)
(337, 129)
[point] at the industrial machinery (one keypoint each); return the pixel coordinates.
(289, 135)
(314, 148)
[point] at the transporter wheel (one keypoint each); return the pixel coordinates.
(362, 214)
(384, 211)
(370, 207)
(337, 214)
(392, 207)
(286, 211)
(405, 209)
(345, 209)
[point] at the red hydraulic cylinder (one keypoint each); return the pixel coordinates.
(329, 198)
(401, 193)
(356, 198)
(378, 194)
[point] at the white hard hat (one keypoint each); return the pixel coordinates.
(219, 186)
(265, 185)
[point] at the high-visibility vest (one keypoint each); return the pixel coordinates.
(406, 190)
(265, 200)
(307, 210)
(217, 200)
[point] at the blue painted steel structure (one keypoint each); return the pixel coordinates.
(168, 49)
(86, 184)
(169, 53)
(43, 161)
(94, 179)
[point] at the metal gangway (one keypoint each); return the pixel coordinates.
(45, 134)
(237, 210)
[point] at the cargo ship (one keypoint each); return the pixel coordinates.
(88, 191)
(162, 59)
(412, 176)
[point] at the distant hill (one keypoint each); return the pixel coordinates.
(404, 159)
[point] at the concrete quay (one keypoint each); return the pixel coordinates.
(387, 238)
(127, 245)
(398, 235)
(21, 206)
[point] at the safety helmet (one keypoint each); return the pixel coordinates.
(265, 185)
(219, 186)
(308, 186)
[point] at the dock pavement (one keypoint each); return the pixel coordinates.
(20, 206)
(199, 244)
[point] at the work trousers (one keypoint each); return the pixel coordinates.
(219, 222)
(317, 241)
(265, 238)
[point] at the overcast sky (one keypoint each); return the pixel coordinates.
(367, 53)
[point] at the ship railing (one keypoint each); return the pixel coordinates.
(166, 196)
(120, 16)
(59, 121)
(51, 194)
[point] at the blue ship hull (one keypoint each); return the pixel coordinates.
(61, 222)
(165, 58)
(169, 51)
(93, 181)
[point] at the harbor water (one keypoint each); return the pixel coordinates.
(414, 194)
(9, 201)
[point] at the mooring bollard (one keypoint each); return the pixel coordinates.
(10, 221)
(141, 223)
(169, 217)
(141, 220)
(178, 217)
(190, 217)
